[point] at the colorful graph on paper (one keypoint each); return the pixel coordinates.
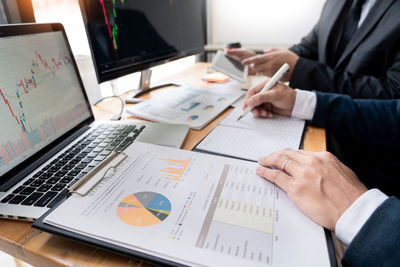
(144, 209)
(174, 168)
(40, 95)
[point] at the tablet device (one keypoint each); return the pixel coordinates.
(229, 66)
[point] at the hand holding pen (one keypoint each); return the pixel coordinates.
(271, 83)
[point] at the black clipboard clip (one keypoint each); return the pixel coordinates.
(85, 179)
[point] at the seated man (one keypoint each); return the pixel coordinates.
(372, 124)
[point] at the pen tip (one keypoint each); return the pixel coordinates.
(239, 118)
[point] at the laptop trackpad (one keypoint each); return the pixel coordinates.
(164, 134)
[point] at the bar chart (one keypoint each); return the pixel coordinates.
(175, 168)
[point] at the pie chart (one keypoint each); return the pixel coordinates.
(144, 209)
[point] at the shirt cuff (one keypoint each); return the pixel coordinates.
(304, 105)
(353, 219)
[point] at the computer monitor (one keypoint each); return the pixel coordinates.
(127, 36)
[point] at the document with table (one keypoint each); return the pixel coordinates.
(252, 138)
(195, 107)
(193, 209)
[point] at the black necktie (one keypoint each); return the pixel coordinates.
(350, 26)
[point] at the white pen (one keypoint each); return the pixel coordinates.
(271, 83)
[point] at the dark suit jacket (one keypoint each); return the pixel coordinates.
(378, 241)
(370, 65)
(369, 131)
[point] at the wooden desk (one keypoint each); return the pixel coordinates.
(42, 249)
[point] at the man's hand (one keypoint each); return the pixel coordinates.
(239, 53)
(317, 182)
(279, 100)
(270, 62)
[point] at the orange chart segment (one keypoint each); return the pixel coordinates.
(139, 217)
(131, 200)
(144, 209)
(175, 168)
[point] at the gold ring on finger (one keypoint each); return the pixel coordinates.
(284, 164)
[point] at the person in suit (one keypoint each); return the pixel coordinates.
(354, 49)
(324, 188)
(372, 124)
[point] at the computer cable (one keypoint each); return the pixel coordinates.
(118, 116)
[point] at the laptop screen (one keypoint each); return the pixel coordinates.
(40, 95)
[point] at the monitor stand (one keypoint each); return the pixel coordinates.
(144, 87)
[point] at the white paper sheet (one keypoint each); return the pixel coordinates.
(245, 143)
(278, 124)
(195, 209)
(195, 107)
(251, 138)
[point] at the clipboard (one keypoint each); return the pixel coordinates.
(93, 241)
(41, 225)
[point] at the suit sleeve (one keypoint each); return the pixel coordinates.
(370, 121)
(377, 243)
(309, 74)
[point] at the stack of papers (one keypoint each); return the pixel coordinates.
(252, 138)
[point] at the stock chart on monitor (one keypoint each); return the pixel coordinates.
(40, 95)
(125, 33)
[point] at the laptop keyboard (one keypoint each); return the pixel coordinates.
(51, 183)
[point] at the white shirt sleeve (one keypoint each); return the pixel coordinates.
(304, 105)
(353, 219)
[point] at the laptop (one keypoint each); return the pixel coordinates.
(49, 139)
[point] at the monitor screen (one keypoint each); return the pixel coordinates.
(132, 35)
(41, 97)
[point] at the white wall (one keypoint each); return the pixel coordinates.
(261, 22)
